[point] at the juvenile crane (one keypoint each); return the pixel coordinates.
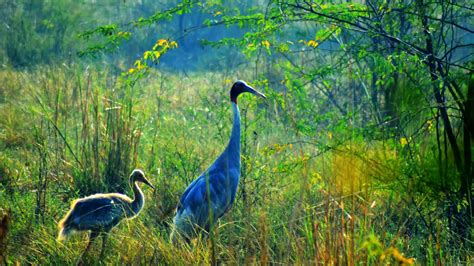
(100, 213)
(216, 187)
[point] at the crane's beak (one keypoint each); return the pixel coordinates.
(148, 183)
(255, 92)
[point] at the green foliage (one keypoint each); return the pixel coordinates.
(325, 193)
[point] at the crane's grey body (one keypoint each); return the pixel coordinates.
(212, 194)
(100, 213)
(222, 178)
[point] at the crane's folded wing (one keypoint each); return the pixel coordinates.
(196, 203)
(185, 194)
(97, 213)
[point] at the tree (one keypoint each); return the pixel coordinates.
(379, 48)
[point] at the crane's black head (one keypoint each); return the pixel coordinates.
(241, 86)
(138, 175)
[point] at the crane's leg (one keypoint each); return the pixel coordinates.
(104, 241)
(93, 235)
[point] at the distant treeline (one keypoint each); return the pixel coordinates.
(44, 31)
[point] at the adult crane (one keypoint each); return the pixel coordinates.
(211, 195)
(100, 213)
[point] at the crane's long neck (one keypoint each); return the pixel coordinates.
(233, 148)
(138, 200)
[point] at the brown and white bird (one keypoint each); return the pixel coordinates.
(100, 213)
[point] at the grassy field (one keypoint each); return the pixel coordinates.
(329, 198)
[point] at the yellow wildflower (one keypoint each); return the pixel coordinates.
(330, 135)
(430, 124)
(162, 42)
(147, 55)
(266, 44)
(173, 44)
(139, 65)
(403, 141)
(312, 43)
(125, 34)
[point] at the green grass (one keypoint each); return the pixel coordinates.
(69, 132)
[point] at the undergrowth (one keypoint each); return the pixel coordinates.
(69, 132)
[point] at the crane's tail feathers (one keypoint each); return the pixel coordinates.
(64, 233)
(178, 239)
(64, 226)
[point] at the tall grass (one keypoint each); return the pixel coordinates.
(72, 131)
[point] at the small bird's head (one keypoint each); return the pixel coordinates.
(241, 86)
(139, 176)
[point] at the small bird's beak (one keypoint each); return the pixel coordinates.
(255, 92)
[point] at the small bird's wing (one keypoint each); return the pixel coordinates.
(97, 213)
